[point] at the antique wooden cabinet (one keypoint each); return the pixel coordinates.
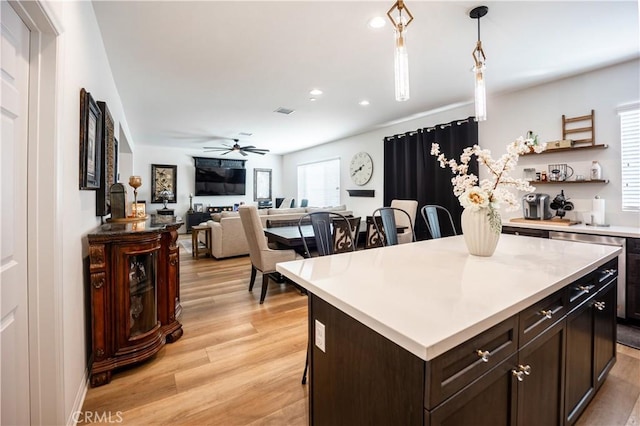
(135, 293)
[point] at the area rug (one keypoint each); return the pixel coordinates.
(186, 245)
(629, 335)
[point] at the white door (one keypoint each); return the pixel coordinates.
(14, 338)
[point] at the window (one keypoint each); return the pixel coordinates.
(320, 183)
(630, 157)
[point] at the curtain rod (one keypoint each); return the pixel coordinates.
(428, 129)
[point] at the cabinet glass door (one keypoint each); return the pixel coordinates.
(142, 294)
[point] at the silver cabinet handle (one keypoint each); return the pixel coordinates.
(523, 370)
(547, 314)
(584, 288)
(599, 306)
(485, 355)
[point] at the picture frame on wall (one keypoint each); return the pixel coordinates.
(164, 178)
(261, 184)
(108, 154)
(90, 139)
(198, 207)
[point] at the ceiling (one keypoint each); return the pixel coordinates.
(191, 73)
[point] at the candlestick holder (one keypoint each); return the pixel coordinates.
(135, 182)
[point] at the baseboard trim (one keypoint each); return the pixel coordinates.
(74, 416)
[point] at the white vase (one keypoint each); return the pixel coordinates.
(479, 234)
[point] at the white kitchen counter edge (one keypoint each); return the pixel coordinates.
(613, 231)
(429, 352)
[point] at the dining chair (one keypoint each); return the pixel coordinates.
(388, 232)
(263, 258)
(334, 233)
(411, 207)
(431, 219)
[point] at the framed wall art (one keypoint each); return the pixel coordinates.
(261, 184)
(90, 139)
(108, 161)
(163, 178)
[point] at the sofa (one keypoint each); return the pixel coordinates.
(227, 235)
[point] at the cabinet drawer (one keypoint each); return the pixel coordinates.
(539, 317)
(582, 289)
(453, 370)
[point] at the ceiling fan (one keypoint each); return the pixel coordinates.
(236, 148)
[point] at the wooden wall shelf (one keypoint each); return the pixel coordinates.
(555, 182)
(361, 192)
(573, 148)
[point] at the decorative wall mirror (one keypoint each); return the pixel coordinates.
(261, 184)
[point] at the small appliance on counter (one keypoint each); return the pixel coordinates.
(536, 207)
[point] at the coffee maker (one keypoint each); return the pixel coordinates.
(536, 206)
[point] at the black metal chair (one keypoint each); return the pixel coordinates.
(389, 231)
(431, 219)
(334, 233)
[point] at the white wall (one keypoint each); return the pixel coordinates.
(82, 63)
(145, 156)
(511, 115)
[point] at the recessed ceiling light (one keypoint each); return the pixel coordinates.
(312, 99)
(364, 102)
(245, 134)
(315, 92)
(377, 22)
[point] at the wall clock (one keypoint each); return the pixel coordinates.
(361, 168)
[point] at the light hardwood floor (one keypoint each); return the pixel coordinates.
(240, 363)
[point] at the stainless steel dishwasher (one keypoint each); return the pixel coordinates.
(606, 241)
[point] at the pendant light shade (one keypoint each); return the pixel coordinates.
(401, 57)
(479, 59)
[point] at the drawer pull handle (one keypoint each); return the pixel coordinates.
(547, 314)
(584, 288)
(485, 355)
(599, 306)
(523, 370)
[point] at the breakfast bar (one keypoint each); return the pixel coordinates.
(425, 333)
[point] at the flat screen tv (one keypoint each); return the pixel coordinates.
(220, 181)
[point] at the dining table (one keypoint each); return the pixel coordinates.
(288, 237)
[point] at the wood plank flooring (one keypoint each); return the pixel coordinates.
(240, 363)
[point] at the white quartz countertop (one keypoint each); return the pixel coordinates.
(614, 231)
(430, 296)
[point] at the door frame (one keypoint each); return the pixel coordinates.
(44, 224)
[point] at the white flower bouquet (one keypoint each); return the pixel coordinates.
(494, 191)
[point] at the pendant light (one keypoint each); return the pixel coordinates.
(478, 68)
(401, 58)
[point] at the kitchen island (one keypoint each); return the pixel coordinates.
(424, 333)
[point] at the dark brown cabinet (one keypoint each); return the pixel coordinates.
(135, 296)
(591, 350)
(540, 378)
(541, 366)
(527, 232)
(633, 279)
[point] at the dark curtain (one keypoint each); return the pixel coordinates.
(412, 173)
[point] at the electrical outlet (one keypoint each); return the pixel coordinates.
(320, 336)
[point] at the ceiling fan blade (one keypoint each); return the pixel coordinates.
(247, 147)
(216, 148)
(243, 153)
(225, 153)
(257, 150)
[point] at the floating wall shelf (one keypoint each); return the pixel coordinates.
(562, 182)
(361, 192)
